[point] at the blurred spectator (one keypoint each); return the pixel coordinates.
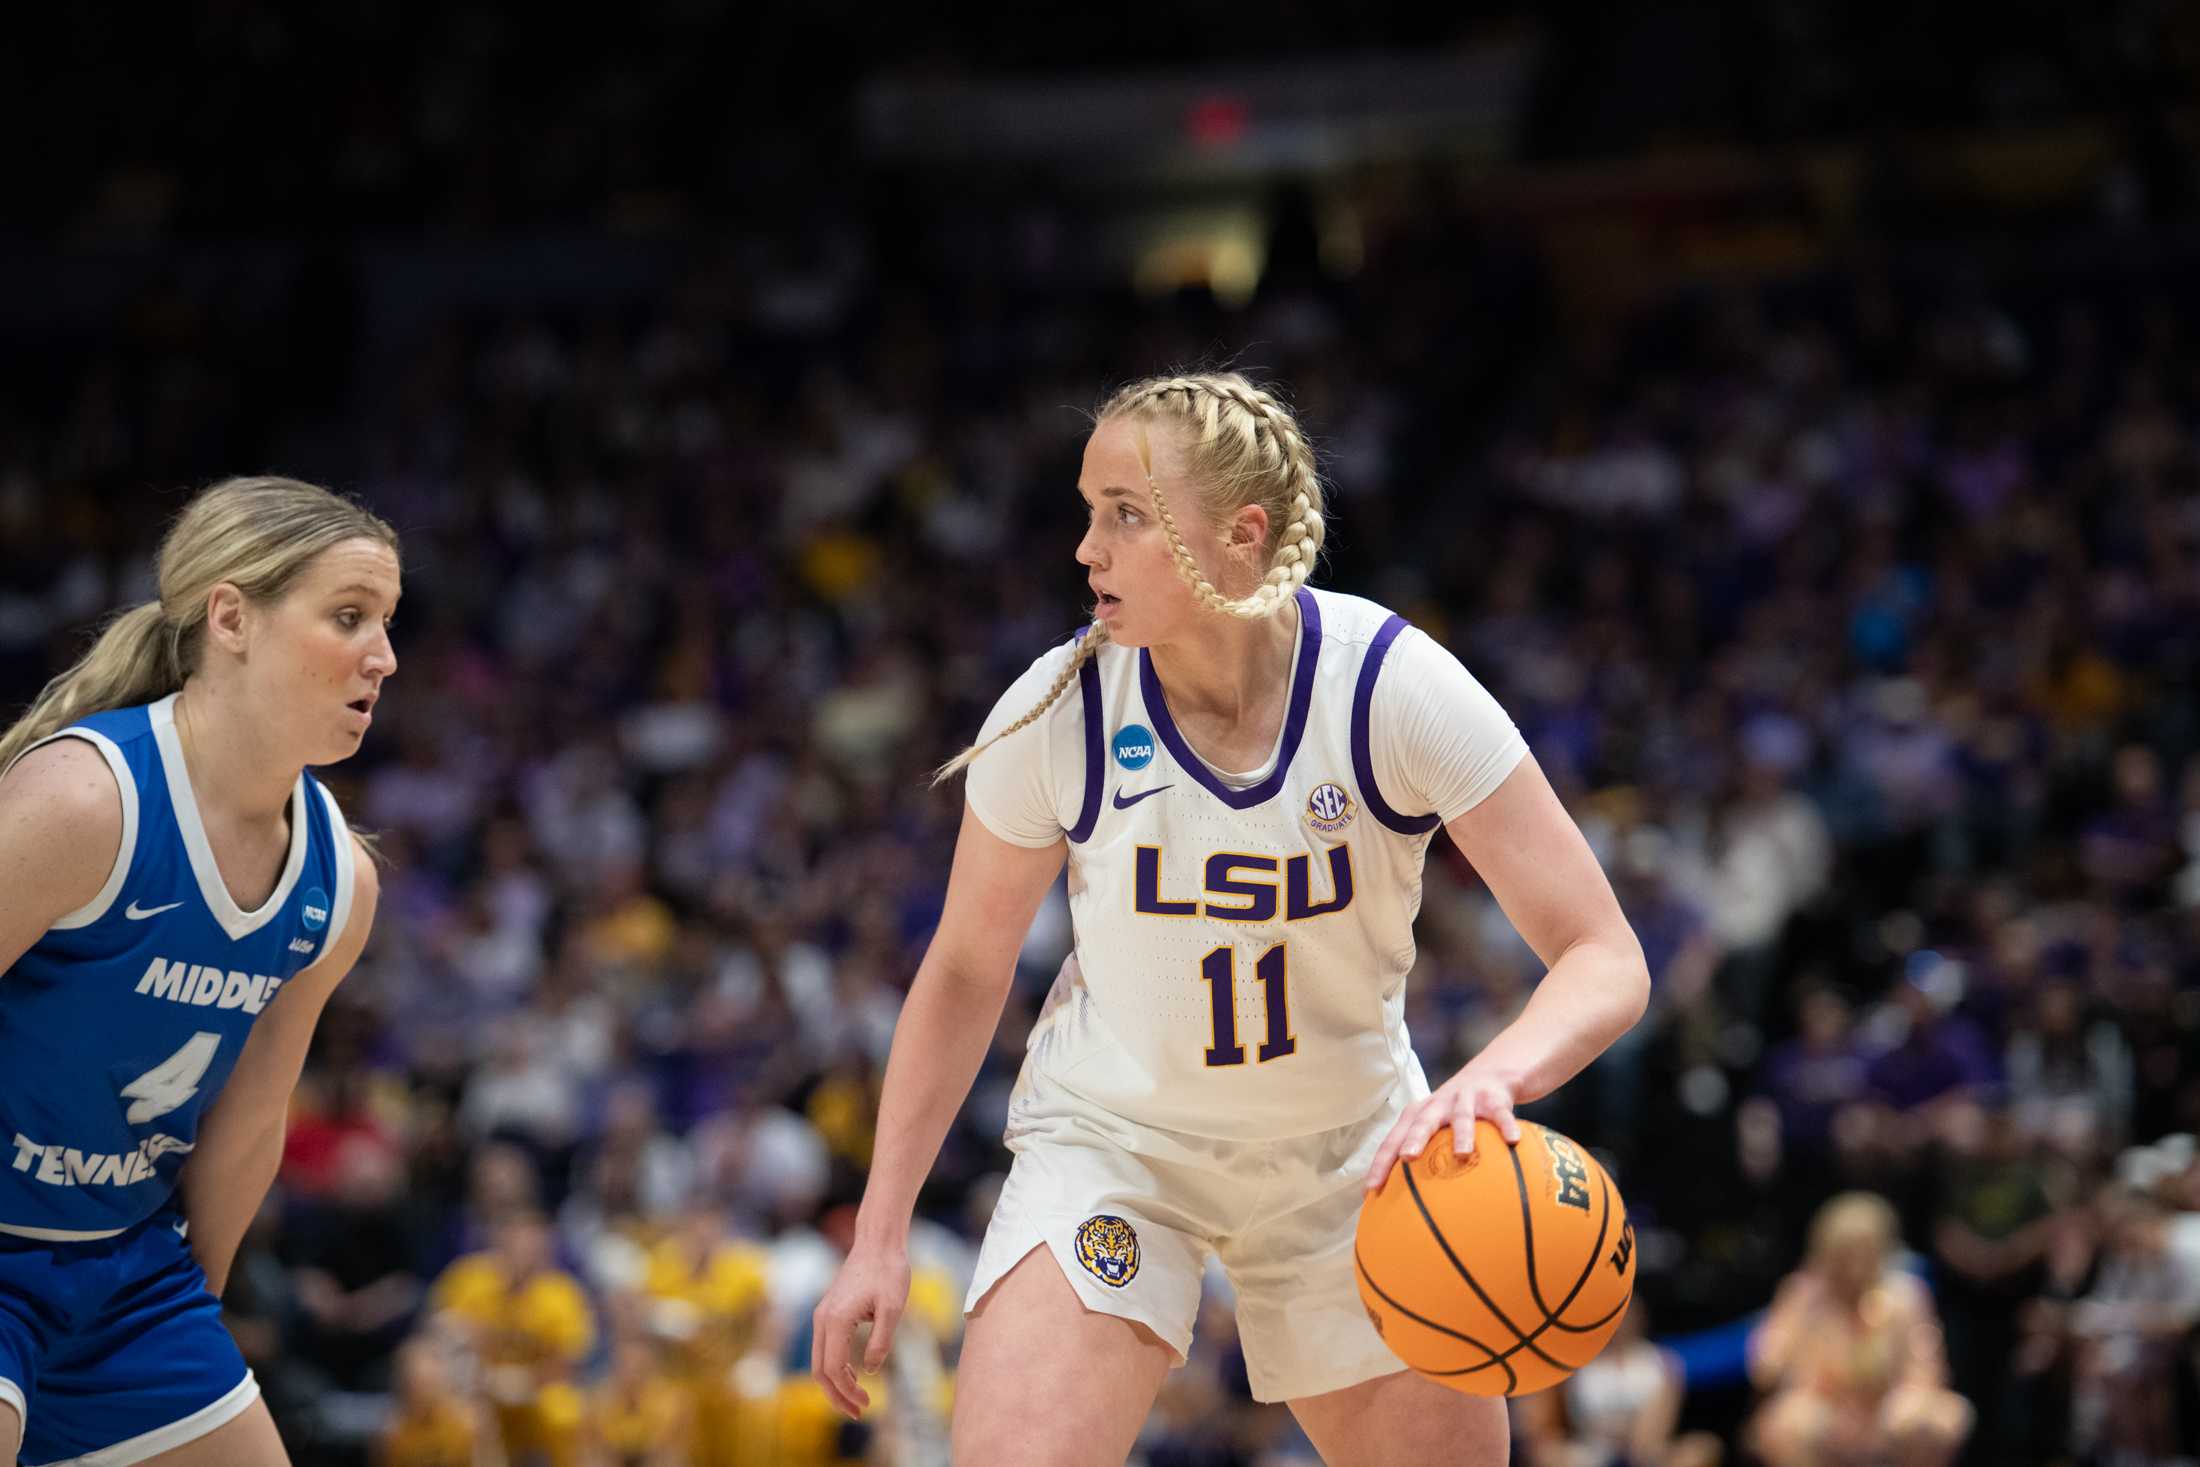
(1622, 1409)
(333, 1121)
(1993, 1224)
(639, 1416)
(530, 1326)
(1849, 1356)
(355, 1266)
(434, 1421)
(1849, 602)
(2062, 1060)
(1812, 1077)
(2133, 1331)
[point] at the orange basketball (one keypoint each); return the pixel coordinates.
(1498, 1273)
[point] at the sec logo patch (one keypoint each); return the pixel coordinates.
(1329, 809)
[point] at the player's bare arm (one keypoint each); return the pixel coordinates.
(1547, 880)
(241, 1141)
(946, 1025)
(60, 831)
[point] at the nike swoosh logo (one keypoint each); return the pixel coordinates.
(137, 913)
(1123, 804)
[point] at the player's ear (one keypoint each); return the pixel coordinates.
(1246, 535)
(225, 617)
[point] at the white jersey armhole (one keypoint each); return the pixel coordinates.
(1469, 744)
(126, 784)
(345, 853)
(1013, 786)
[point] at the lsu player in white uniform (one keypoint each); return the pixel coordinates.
(1243, 775)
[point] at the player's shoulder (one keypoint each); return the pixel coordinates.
(1354, 623)
(65, 826)
(66, 786)
(1348, 620)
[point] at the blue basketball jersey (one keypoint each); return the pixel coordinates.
(122, 1022)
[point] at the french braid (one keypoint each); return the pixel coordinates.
(1242, 446)
(1259, 444)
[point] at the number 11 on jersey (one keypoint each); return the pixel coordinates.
(1219, 968)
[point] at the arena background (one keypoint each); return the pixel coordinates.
(1788, 410)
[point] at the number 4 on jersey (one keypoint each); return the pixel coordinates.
(1219, 968)
(171, 1082)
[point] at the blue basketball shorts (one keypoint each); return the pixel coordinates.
(113, 1351)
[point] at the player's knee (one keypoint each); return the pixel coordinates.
(11, 1434)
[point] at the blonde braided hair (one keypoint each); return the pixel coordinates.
(1241, 446)
(1256, 450)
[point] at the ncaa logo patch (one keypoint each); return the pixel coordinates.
(1329, 809)
(1134, 746)
(313, 910)
(1108, 1248)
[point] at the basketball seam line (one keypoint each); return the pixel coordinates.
(1512, 1377)
(1596, 1252)
(1526, 1341)
(1617, 1310)
(1528, 1338)
(1501, 1358)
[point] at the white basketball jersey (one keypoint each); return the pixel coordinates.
(1241, 952)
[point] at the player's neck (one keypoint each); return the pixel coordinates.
(1232, 670)
(235, 774)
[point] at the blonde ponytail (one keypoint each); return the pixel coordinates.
(134, 661)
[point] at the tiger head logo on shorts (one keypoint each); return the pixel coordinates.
(1108, 1248)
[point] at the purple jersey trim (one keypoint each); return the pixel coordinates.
(1294, 720)
(1363, 763)
(1088, 682)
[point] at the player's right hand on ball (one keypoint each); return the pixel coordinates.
(871, 1290)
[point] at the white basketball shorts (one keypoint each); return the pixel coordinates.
(1131, 1214)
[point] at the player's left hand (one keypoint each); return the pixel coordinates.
(1478, 1091)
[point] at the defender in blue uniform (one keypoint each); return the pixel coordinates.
(178, 897)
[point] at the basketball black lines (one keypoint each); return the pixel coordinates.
(1526, 1338)
(1500, 1361)
(1442, 1237)
(1551, 1318)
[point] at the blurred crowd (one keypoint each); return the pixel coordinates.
(1856, 617)
(1854, 620)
